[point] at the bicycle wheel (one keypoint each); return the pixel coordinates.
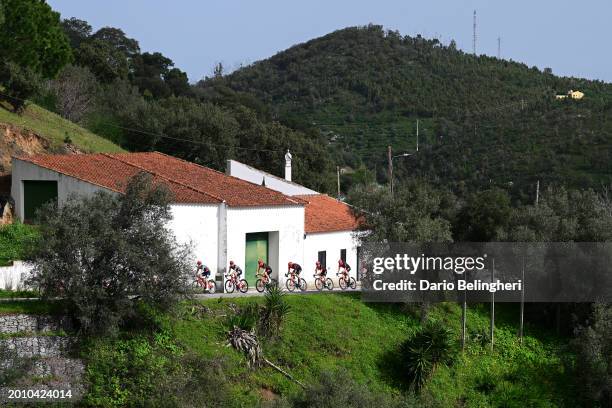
(303, 285)
(212, 286)
(352, 283)
(243, 286)
(329, 284)
(194, 286)
(260, 285)
(342, 283)
(229, 286)
(319, 284)
(290, 284)
(272, 284)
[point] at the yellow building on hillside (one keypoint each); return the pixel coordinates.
(571, 94)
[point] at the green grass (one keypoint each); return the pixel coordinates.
(14, 241)
(55, 128)
(11, 294)
(339, 332)
(37, 307)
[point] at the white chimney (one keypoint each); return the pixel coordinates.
(288, 166)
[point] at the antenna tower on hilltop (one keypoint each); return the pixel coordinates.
(474, 35)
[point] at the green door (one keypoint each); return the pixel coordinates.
(256, 249)
(36, 193)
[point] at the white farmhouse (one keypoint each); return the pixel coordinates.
(244, 215)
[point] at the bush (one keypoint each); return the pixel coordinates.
(594, 357)
(335, 389)
(98, 252)
(152, 372)
(245, 318)
(430, 346)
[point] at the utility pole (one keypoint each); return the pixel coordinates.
(537, 193)
(522, 303)
(474, 35)
(463, 319)
(338, 173)
(498, 47)
(390, 159)
(417, 135)
(492, 335)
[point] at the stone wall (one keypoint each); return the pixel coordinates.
(41, 347)
(22, 323)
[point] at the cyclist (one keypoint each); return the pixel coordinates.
(267, 271)
(235, 269)
(294, 269)
(320, 270)
(344, 269)
(202, 271)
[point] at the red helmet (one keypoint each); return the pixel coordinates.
(199, 263)
(290, 264)
(260, 262)
(231, 263)
(318, 263)
(340, 262)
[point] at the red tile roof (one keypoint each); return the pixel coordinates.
(326, 214)
(189, 182)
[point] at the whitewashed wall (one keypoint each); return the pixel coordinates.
(66, 185)
(285, 241)
(13, 277)
(332, 243)
(196, 224)
(242, 171)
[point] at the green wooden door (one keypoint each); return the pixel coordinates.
(256, 249)
(36, 193)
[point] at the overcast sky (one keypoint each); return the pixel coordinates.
(571, 37)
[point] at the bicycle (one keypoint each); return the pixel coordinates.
(208, 285)
(292, 284)
(346, 281)
(264, 283)
(232, 283)
(321, 283)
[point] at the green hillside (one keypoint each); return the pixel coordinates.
(331, 333)
(56, 129)
(483, 120)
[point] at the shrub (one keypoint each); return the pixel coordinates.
(594, 357)
(335, 389)
(245, 318)
(152, 372)
(430, 346)
(99, 251)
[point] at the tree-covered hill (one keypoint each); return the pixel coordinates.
(482, 120)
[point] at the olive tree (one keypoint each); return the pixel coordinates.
(106, 253)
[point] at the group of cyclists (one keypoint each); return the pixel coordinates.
(264, 273)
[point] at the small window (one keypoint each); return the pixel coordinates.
(322, 257)
(343, 255)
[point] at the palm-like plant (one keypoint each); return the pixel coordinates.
(430, 346)
(275, 310)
